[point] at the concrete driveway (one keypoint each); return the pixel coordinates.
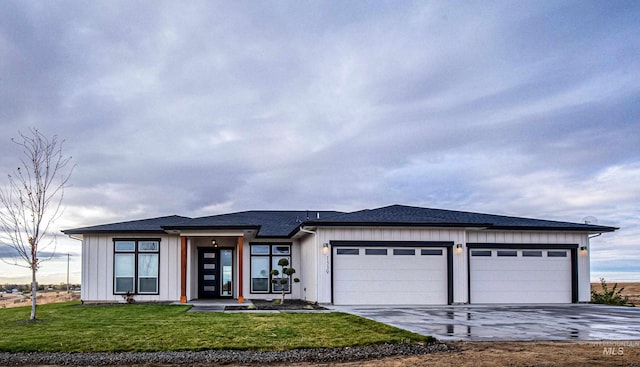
(509, 322)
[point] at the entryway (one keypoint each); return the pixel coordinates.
(215, 273)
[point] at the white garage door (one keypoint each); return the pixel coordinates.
(389, 275)
(520, 276)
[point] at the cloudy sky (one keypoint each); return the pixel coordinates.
(524, 108)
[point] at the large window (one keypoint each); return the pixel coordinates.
(135, 266)
(264, 258)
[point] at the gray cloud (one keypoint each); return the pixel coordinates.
(8, 253)
(195, 108)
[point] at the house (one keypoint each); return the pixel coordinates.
(391, 255)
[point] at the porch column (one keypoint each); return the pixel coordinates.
(183, 269)
(240, 271)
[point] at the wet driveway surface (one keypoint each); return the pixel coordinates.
(509, 322)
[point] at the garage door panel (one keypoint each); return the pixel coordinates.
(390, 298)
(529, 297)
(373, 262)
(391, 286)
(534, 276)
(520, 279)
(390, 279)
(517, 286)
(405, 276)
(420, 272)
(518, 264)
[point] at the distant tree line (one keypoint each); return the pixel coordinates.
(41, 287)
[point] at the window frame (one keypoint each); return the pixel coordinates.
(376, 252)
(532, 253)
(557, 253)
(136, 252)
(347, 251)
(481, 253)
(404, 252)
(431, 252)
(270, 256)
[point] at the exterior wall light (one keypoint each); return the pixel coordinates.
(583, 248)
(458, 248)
(214, 243)
(325, 248)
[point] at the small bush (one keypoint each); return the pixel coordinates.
(129, 297)
(611, 296)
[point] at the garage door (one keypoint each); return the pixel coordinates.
(520, 276)
(390, 276)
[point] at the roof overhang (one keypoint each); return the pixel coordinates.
(206, 233)
(590, 230)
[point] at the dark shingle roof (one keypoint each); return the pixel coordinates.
(271, 223)
(277, 223)
(400, 215)
(150, 225)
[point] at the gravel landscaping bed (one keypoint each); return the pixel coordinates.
(222, 356)
(290, 304)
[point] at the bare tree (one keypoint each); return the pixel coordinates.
(32, 201)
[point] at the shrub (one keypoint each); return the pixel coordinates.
(611, 296)
(129, 297)
(285, 277)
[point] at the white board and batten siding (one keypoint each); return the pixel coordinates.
(542, 278)
(310, 251)
(97, 269)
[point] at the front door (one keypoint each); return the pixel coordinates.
(215, 273)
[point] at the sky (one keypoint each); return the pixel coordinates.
(522, 108)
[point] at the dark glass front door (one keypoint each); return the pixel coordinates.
(215, 273)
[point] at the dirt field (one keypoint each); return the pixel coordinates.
(631, 290)
(17, 300)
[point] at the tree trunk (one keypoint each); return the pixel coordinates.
(34, 288)
(282, 286)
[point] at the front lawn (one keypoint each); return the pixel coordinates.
(71, 327)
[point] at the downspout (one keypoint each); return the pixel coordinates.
(317, 248)
(589, 239)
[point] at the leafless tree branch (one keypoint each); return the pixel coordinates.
(32, 199)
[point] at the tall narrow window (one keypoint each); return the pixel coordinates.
(125, 270)
(136, 266)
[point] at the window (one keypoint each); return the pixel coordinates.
(136, 266)
(556, 254)
(375, 251)
(430, 252)
(404, 251)
(507, 253)
(481, 253)
(531, 253)
(260, 274)
(348, 251)
(264, 258)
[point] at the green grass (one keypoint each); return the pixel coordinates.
(71, 327)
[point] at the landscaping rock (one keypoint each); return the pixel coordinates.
(289, 304)
(222, 356)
